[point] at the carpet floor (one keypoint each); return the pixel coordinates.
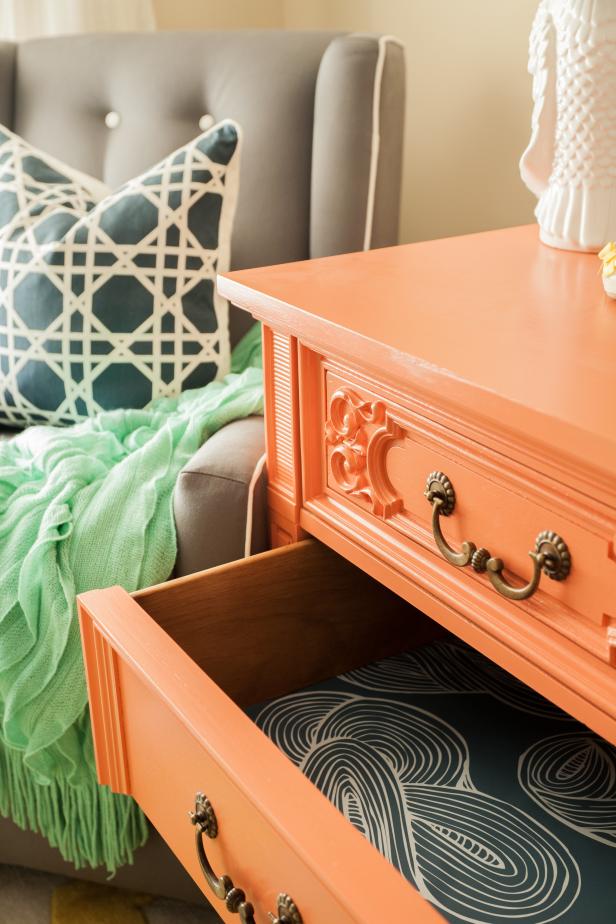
(31, 897)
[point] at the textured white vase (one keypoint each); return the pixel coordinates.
(570, 162)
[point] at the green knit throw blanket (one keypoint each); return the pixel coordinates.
(85, 507)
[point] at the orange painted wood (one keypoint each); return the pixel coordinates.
(557, 668)
(182, 734)
(492, 358)
(513, 336)
(564, 653)
(498, 509)
(281, 437)
(102, 677)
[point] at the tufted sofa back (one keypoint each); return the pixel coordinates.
(321, 115)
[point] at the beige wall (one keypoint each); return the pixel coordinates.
(219, 14)
(468, 97)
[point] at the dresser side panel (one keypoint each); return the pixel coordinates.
(282, 436)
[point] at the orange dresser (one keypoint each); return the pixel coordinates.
(442, 418)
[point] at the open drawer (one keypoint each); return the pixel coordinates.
(169, 671)
(497, 804)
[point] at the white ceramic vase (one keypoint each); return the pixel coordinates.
(570, 162)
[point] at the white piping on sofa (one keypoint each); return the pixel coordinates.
(384, 41)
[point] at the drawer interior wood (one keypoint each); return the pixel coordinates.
(282, 620)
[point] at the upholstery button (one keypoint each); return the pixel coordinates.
(112, 119)
(205, 122)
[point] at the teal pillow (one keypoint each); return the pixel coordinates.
(108, 299)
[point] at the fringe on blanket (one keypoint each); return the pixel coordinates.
(87, 823)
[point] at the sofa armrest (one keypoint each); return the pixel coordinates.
(220, 499)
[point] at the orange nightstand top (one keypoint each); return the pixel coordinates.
(514, 332)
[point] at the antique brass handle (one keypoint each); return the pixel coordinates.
(205, 822)
(440, 493)
(288, 912)
(550, 556)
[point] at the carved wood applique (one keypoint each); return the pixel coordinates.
(359, 435)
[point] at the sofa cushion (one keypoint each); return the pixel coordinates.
(108, 300)
(220, 503)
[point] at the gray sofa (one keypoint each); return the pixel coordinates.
(322, 118)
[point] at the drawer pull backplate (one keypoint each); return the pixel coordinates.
(205, 822)
(550, 556)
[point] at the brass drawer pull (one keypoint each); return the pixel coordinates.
(440, 493)
(550, 556)
(205, 822)
(288, 912)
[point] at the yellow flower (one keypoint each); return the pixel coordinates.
(608, 256)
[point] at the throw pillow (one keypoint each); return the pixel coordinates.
(108, 300)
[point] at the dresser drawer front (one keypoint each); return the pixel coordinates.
(165, 731)
(376, 450)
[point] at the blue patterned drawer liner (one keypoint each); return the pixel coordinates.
(493, 803)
